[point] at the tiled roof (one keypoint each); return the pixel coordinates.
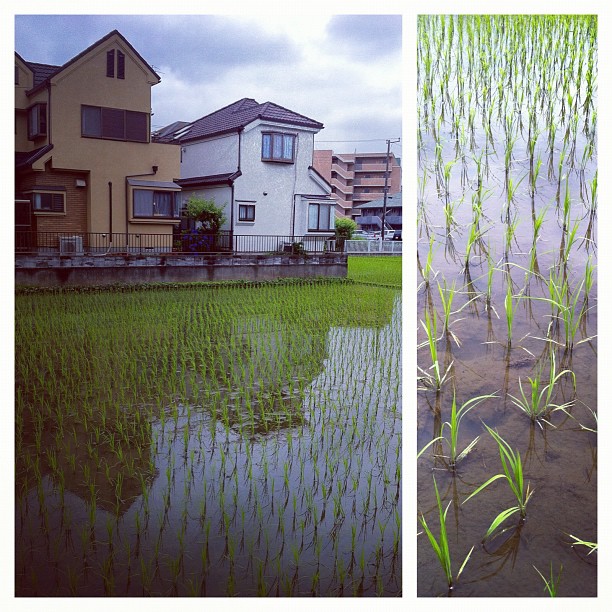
(27, 158)
(238, 115)
(212, 179)
(42, 71)
(394, 200)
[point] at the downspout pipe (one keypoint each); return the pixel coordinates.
(110, 210)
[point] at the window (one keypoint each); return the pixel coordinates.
(277, 147)
(246, 212)
(320, 217)
(37, 121)
(114, 124)
(52, 201)
(149, 203)
(110, 64)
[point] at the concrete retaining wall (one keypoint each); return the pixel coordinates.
(79, 270)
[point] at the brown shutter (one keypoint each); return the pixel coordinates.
(120, 65)
(113, 123)
(110, 63)
(136, 126)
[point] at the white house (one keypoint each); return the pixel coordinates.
(256, 161)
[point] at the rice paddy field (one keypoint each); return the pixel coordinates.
(210, 441)
(507, 306)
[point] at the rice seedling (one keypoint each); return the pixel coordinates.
(438, 377)
(513, 474)
(440, 544)
(590, 546)
(228, 381)
(456, 416)
(538, 403)
(551, 585)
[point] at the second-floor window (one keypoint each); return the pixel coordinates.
(277, 147)
(114, 124)
(37, 121)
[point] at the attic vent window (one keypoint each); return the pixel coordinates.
(110, 64)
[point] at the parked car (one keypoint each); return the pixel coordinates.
(388, 234)
(362, 235)
(397, 235)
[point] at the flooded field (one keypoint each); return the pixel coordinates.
(209, 442)
(507, 306)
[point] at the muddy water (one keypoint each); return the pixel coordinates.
(559, 456)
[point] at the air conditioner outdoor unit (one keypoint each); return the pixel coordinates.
(71, 245)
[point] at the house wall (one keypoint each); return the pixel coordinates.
(106, 161)
(110, 161)
(210, 157)
(75, 217)
(278, 181)
(222, 197)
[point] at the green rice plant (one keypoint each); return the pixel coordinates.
(446, 297)
(437, 379)
(509, 309)
(440, 545)
(511, 231)
(593, 191)
(534, 175)
(455, 456)
(591, 546)
(552, 585)
(513, 474)
(427, 271)
(538, 404)
(589, 278)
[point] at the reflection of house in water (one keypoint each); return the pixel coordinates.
(268, 365)
(92, 459)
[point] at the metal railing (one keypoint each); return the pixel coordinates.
(96, 243)
(373, 247)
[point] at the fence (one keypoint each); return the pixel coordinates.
(373, 247)
(90, 243)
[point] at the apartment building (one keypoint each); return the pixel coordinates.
(357, 178)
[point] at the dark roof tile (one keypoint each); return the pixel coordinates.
(236, 116)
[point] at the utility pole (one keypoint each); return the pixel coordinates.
(386, 189)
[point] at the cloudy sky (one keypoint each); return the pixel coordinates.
(342, 70)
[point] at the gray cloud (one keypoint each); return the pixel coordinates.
(366, 37)
(196, 46)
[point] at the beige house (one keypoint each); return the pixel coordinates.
(85, 165)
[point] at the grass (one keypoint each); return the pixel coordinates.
(381, 270)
